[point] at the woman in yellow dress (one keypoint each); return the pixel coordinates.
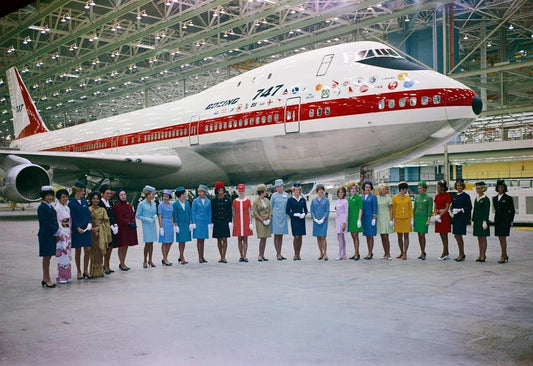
(100, 235)
(402, 212)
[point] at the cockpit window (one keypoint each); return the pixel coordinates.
(370, 53)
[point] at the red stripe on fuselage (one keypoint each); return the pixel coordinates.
(356, 105)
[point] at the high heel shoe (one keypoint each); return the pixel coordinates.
(165, 264)
(87, 276)
(505, 260)
(369, 257)
(264, 259)
(356, 258)
(145, 265)
(44, 284)
(151, 264)
(480, 260)
(460, 259)
(320, 258)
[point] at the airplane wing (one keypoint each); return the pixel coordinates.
(105, 164)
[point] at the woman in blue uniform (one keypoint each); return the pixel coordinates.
(278, 202)
(503, 217)
(370, 214)
(48, 231)
(480, 219)
(81, 228)
(166, 227)
(320, 216)
(201, 220)
(297, 209)
(461, 210)
(222, 219)
(182, 221)
(147, 213)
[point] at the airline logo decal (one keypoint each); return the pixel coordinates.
(393, 85)
(402, 76)
(222, 103)
(408, 83)
(325, 93)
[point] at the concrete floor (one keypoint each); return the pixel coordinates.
(375, 312)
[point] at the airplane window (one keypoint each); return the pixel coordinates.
(311, 113)
(436, 99)
(240, 122)
(289, 115)
(211, 127)
(269, 118)
(246, 121)
(226, 125)
(412, 101)
(256, 120)
(391, 103)
(319, 112)
(206, 128)
(276, 117)
(239, 83)
(424, 100)
(381, 104)
(251, 121)
(393, 53)
(219, 125)
(379, 52)
(327, 111)
(401, 102)
(361, 54)
(370, 54)
(269, 76)
(263, 119)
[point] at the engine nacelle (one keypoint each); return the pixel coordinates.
(23, 182)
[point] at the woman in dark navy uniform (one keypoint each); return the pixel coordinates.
(297, 209)
(106, 203)
(461, 210)
(81, 228)
(503, 217)
(48, 230)
(222, 216)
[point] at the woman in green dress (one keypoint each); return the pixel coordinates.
(384, 221)
(423, 210)
(480, 219)
(355, 210)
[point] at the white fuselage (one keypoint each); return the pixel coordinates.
(305, 116)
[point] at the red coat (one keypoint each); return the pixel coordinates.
(241, 217)
(124, 215)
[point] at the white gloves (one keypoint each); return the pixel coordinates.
(251, 227)
(300, 215)
(391, 223)
(373, 222)
(176, 229)
(455, 211)
(114, 229)
(485, 226)
(412, 222)
(162, 232)
(230, 225)
(437, 218)
(89, 227)
(358, 223)
(316, 220)
(266, 222)
(192, 227)
(210, 227)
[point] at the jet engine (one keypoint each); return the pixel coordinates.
(23, 182)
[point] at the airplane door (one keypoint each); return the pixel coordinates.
(194, 130)
(114, 141)
(292, 115)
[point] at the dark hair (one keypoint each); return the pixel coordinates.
(442, 183)
(61, 192)
(91, 195)
(459, 182)
(501, 182)
(368, 182)
(403, 185)
(343, 191)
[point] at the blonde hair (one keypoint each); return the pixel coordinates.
(352, 184)
(381, 188)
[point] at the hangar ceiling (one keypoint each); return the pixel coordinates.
(85, 60)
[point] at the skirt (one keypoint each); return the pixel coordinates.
(420, 225)
(402, 225)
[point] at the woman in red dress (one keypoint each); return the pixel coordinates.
(127, 228)
(443, 224)
(242, 221)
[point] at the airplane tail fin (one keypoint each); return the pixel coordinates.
(26, 119)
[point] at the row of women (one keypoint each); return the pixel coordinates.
(93, 227)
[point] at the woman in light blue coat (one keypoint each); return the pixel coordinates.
(182, 220)
(320, 216)
(166, 227)
(278, 223)
(201, 220)
(147, 213)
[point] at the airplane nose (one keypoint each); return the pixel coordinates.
(477, 105)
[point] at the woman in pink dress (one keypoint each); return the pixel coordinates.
(63, 244)
(242, 221)
(341, 221)
(443, 223)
